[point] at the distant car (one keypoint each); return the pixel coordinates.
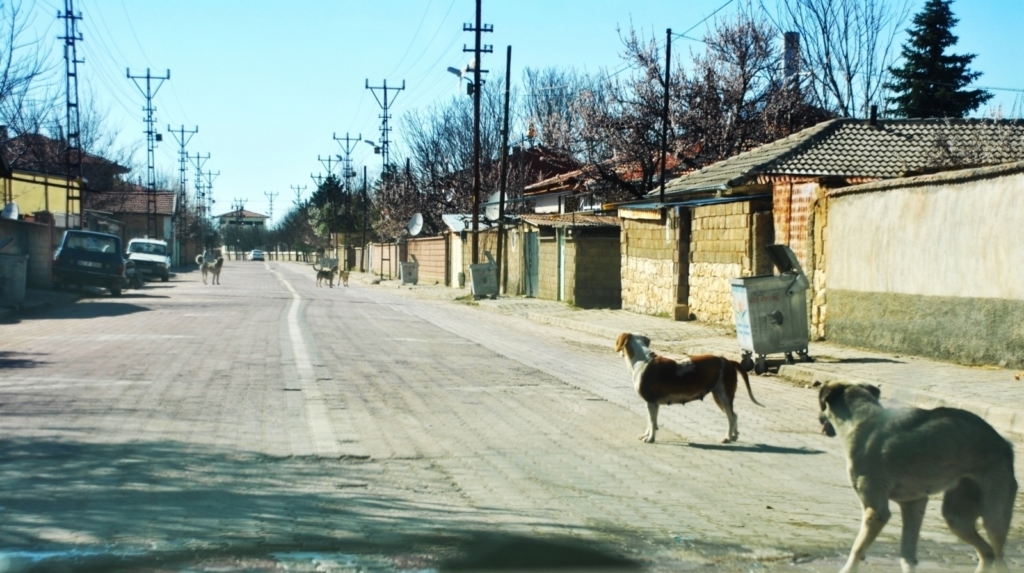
(256, 255)
(151, 259)
(85, 258)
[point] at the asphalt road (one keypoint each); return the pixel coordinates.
(266, 424)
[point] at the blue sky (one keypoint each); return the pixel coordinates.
(268, 82)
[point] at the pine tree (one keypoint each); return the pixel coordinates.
(930, 82)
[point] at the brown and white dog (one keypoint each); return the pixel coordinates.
(343, 275)
(662, 381)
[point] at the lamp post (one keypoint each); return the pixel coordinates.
(473, 89)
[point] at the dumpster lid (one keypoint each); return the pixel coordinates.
(784, 259)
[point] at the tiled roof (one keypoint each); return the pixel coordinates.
(943, 178)
(571, 220)
(134, 202)
(855, 148)
(243, 213)
(40, 154)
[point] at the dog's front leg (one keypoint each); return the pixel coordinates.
(913, 516)
(652, 423)
(870, 526)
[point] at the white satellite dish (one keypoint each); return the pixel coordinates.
(10, 211)
(491, 210)
(415, 225)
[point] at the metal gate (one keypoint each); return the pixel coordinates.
(531, 252)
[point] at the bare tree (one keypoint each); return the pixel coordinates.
(27, 94)
(847, 48)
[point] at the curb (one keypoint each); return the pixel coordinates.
(1004, 420)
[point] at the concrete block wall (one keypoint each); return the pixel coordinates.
(430, 254)
(598, 278)
(548, 268)
(486, 241)
(721, 241)
(513, 261)
(649, 266)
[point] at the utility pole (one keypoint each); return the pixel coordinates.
(664, 114)
(347, 173)
(298, 189)
(73, 147)
(477, 50)
(238, 206)
(198, 161)
(504, 167)
(270, 196)
(210, 176)
(152, 137)
(385, 104)
(365, 255)
(182, 136)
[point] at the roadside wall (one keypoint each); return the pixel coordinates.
(649, 265)
(930, 266)
(726, 242)
(379, 266)
(32, 239)
(430, 254)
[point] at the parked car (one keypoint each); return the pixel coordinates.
(85, 258)
(256, 255)
(151, 258)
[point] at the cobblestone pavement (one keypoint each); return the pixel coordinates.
(267, 425)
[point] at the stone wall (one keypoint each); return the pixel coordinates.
(548, 264)
(649, 265)
(513, 282)
(721, 247)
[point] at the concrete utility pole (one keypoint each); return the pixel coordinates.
(362, 265)
(347, 172)
(385, 104)
(298, 189)
(477, 50)
(270, 197)
(152, 137)
(73, 146)
(198, 161)
(182, 136)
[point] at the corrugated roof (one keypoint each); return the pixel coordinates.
(855, 148)
(458, 222)
(571, 220)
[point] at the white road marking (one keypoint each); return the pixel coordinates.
(325, 444)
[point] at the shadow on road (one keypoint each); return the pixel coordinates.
(20, 360)
(93, 309)
(755, 448)
(133, 506)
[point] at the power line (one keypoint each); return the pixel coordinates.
(385, 105)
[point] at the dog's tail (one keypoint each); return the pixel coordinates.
(199, 259)
(746, 380)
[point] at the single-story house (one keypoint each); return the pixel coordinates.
(568, 257)
(777, 193)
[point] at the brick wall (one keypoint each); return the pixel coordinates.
(792, 205)
(598, 278)
(649, 266)
(430, 254)
(378, 265)
(720, 249)
(32, 239)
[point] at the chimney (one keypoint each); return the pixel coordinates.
(873, 120)
(791, 58)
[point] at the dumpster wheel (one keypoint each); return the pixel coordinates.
(747, 363)
(804, 356)
(761, 365)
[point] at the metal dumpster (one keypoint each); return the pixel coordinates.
(771, 312)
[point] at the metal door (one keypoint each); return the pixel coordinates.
(531, 252)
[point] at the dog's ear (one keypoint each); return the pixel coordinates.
(620, 342)
(874, 390)
(831, 395)
(646, 341)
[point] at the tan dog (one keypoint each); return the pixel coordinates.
(344, 277)
(210, 268)
(907, 454)
(663, 381)
(326, 275)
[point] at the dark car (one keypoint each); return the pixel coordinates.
(89, 259)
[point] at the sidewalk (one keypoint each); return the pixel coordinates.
(992, 393)
(35, 301)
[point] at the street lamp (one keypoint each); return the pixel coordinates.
(473, 89)
(376, 148)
